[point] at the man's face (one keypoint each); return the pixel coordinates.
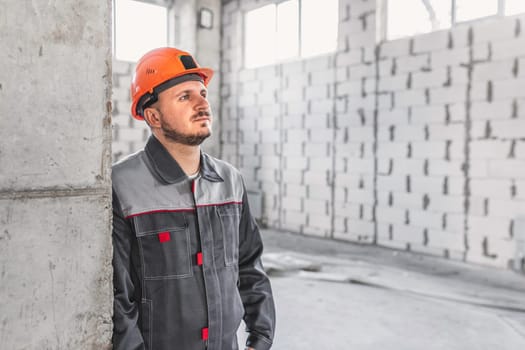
(185, 114)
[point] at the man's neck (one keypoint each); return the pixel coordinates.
(188, 157)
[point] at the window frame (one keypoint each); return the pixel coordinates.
(299, 55)
(168, 4)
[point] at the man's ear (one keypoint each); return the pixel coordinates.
(152, 117)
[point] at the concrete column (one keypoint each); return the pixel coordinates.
(208, 53)
(55, 146)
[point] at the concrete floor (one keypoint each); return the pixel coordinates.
(333, 295)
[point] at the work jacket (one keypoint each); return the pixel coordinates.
(186, 261)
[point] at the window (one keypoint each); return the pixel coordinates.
(288, 30)
(412, 17)
(513, 7)
(138, 28)
(319, 20)
(260, 36)
(467, 10)
(416, 17)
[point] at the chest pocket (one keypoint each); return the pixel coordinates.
(229, 216)
(165, 253)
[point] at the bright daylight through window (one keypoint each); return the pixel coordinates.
(131, 37)
(513, 7)
(416, 17)
(289, 30)
(467, 10)
(411, 17)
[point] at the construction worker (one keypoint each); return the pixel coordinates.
(187, 251)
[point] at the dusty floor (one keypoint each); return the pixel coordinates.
(333, 295)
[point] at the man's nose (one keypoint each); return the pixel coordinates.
(202, 104)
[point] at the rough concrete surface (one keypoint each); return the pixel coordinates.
(54, 89)
(337, 295)
(55, 193)
(55, 274)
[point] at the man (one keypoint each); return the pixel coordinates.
(187, 251)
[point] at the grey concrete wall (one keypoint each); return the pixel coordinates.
(413, 144)
(55, 197)
(208, 52)
(130, 135)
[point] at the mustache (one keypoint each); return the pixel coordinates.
(201, 114)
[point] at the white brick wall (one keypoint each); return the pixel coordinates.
(428, 114)
(507, 169)
(454, 58)
(433, 149)
(494, 31)
(410, 98)
(424, 184)
(431, 42)
(420, 135)
(449, 204)
(448, 95)
(508, 129)
(434, 78)
(413, 63)
(437, 151)
(407, 200)
(490, 149)
(508, 48)
(494, 70)
(446, 239)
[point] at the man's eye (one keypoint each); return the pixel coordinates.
(184, 97)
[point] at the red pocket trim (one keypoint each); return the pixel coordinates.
(199, 258)
(205, 334)
(164, 237)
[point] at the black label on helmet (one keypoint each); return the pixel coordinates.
(188, 62)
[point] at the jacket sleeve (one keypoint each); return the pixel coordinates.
(126, 333)
(254, 285)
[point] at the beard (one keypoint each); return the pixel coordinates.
(182, 138)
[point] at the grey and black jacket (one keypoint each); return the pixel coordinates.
(186, 260)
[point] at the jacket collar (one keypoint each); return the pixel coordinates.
(169, 170)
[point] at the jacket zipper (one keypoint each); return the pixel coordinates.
(193, 191)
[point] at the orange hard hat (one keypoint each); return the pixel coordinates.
(160, 69)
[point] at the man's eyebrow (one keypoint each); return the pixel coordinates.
(188, 91)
